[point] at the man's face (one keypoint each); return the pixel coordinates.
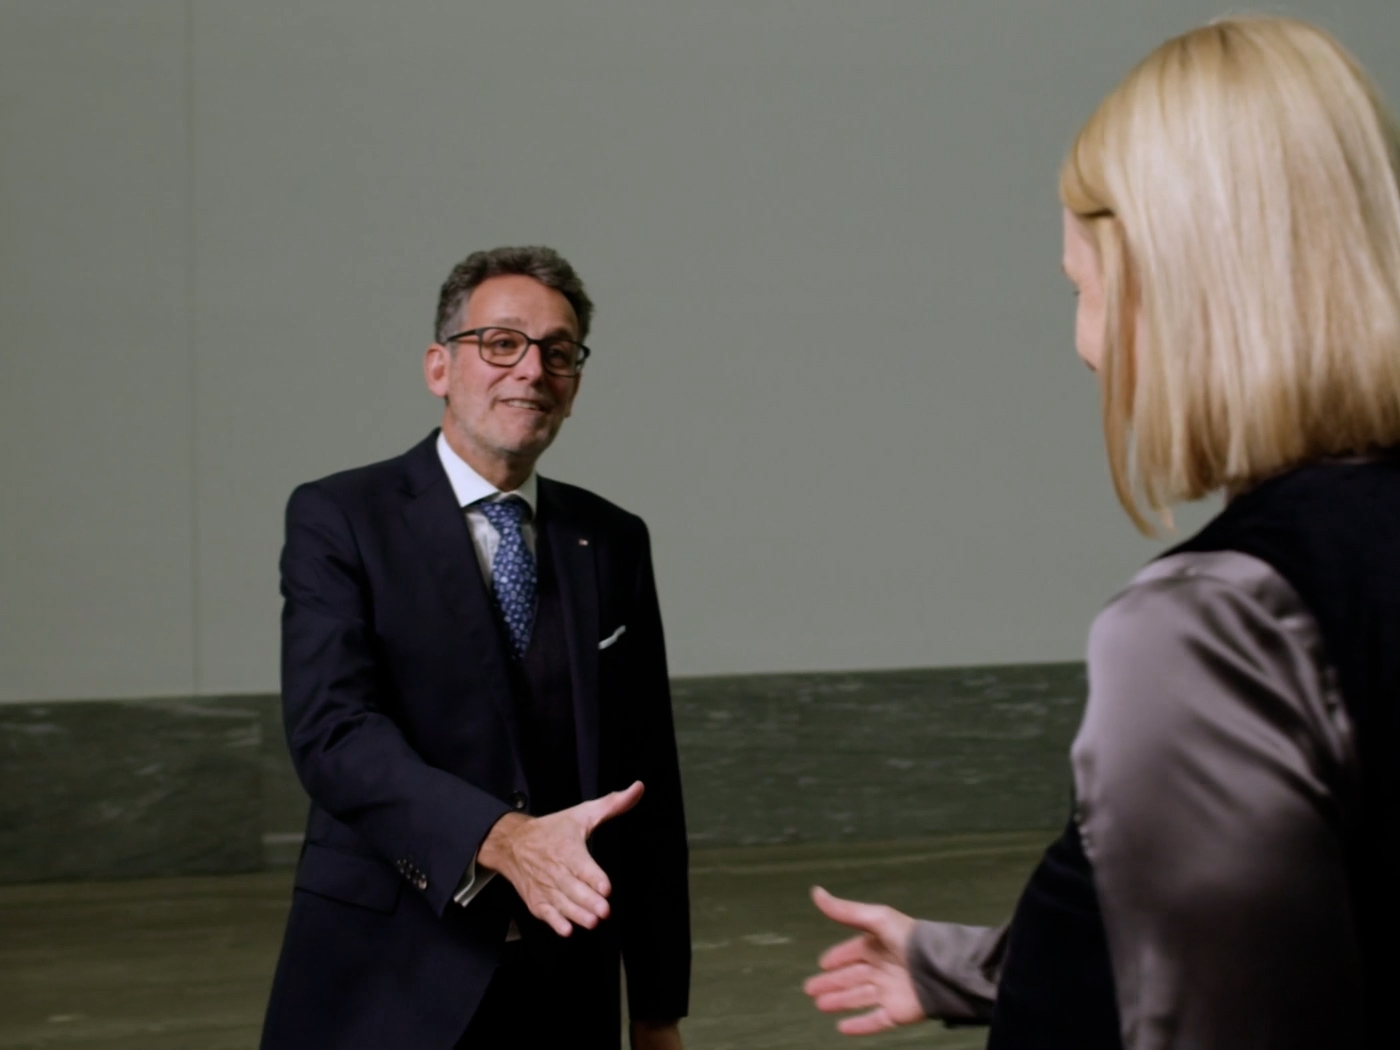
(503, 418)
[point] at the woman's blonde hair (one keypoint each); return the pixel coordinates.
(1241, 188)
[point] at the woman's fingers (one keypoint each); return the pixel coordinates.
(860, 994)
(858, 949)
(877, 1020)
(872, 918)
(838, 980)
(866, 972)
(848, 913)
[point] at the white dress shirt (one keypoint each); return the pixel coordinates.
(471, 490)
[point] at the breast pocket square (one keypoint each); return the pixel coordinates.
(612, 638)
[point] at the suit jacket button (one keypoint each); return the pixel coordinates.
(517, 800)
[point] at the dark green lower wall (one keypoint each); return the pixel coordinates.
(125, 789)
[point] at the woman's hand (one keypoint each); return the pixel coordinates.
(868, 972)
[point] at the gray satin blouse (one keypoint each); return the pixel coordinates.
(1217, 779)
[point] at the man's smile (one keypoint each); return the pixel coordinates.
(527, 403)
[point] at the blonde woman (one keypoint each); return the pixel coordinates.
(1230, 877)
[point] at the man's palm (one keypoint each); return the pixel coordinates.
(546, 859)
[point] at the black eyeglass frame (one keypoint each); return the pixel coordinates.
(476, 333)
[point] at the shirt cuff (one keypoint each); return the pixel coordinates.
(473, 882)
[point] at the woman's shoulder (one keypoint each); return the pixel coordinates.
(1220, 592)
(1211, 648)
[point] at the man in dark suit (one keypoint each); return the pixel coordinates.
(474, 683)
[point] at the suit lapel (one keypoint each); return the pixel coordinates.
(571, 547)
(443, 538)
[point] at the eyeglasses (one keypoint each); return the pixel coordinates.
(505, 348)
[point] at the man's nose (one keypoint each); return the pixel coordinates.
(531, 364)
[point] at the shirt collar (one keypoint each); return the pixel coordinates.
(470, 487)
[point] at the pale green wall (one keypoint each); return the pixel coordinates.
(833, 360)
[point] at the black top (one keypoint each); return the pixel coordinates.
(1331, 531)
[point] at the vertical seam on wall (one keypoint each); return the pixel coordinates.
(191, 336)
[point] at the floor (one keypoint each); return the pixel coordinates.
(184, 964)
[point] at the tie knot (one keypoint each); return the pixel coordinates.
(507, 513)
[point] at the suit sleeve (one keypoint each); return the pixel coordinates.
(652, 894)
(338, 707)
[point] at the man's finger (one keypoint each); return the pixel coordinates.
(584, 869)
(584, 896)
(856, 914)
(575, 913)
(857, 949)
(547, 913)
(611, 805)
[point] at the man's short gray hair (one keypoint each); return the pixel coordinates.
(543, 264)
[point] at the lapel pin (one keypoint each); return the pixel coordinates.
(583, 543)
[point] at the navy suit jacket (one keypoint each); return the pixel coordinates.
(401, 724)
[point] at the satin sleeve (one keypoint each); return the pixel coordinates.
(955, 969)
(1216, 781)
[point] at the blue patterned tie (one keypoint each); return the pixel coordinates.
(513, 569)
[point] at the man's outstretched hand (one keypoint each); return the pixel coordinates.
(869, 972)
(546, 859)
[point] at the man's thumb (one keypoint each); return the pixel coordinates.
(614, 804)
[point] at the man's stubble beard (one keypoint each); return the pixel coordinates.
(525, 453)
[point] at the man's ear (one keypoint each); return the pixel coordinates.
(437, 367)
